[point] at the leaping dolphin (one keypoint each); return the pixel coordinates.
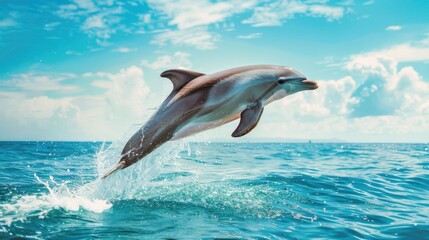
(203, 101)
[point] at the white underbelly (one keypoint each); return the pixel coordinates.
(206, 122)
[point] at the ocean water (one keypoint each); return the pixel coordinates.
(51, 190)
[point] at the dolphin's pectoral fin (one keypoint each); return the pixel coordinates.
(249, 119)
(180, 77)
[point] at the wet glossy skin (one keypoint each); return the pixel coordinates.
(208, 101)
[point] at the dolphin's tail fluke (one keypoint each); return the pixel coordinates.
(118, 166)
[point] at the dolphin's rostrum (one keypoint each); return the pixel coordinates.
(199, 102)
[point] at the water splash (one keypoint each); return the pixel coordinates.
(162, 178)
(96, 196)
(60, 196)
(127, 183)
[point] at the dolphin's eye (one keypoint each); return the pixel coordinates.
(281, 81)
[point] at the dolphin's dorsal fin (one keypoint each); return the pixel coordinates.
(249, 119)
(180, 77)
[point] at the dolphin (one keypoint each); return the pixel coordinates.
(203, 101)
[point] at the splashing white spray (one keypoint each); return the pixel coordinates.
(98, 195)
(59, 196)
(131, 182)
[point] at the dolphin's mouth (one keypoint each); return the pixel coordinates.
(310, 84)
(302, 81)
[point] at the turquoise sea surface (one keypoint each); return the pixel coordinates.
(52, 190)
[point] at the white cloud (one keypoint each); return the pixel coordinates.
(385, 101)
(330, 99)
(39, 82)
(198, 37)
(8, 22)
(328, 12)
(187, 22)
(108, 2)
(406, 52)
(86, 4)
(145, 18)
(124, 50)
(120, 103)
(386, 90)
(346, 3)
(177, 60)
(98, 19)
(276, 12)
(393, 28)
(250, 36)
(72, 11)
(188, 14)
(71, 52)
(338, 108)
(194, 14)
(51, 26)
(103, 25)
(124, 90)
(391, 104)
(190, 20)
(95, 21)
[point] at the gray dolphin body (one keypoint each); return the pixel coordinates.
(199, 102)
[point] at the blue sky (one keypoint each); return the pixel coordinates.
(89, 69)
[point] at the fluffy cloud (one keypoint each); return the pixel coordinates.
(331, 98)
(192, 18)
(346, 109)
(342, 108)
(85, 4)
(198, 37)
(188, 14)
(276, 12)
(250, 36)
(41, 82)
(403, 53)
(393, 28)
(124, 90)
(7, 22)
(118, 104)
(124, 50)
(98, 19)
(329, 12)
(380, 101)
(177, 60)
(387, 90)
(186, 22)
